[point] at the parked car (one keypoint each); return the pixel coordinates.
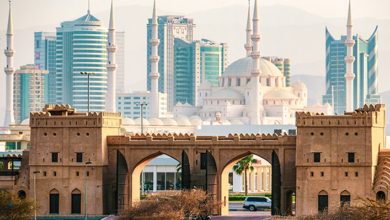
(254, 202)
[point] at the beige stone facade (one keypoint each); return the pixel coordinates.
(332, 158)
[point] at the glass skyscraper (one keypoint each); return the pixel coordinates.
(45, 59)
(365, 84)
(81, 47)
(195, 62)
(169, 28)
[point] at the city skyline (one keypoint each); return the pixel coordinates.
(222, 29)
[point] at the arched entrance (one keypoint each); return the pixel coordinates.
(54, 202)
(76, 201)
(323, 201)
(22, 194)
(380, 195)
(345, 198)
(290, 203)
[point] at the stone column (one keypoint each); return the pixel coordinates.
(264, 179)
(154, 178)
(252, 182)
(269, 179)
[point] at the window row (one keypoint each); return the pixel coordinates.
(322, 134)
(322, 174)
(54, 158)
(317, 158)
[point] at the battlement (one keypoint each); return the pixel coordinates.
(367, 116)
(65, 116)
(156, 138)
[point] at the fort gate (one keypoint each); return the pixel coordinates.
(206, 163)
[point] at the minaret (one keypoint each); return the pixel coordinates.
(248, 45)
(9, 71)
(111, 66)
(349, 59)
(255, 95)
(154, 58)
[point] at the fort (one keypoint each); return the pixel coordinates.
(328, 162)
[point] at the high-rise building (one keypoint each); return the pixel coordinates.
(31, 91)
(195, 62)
(81, 47)
(120, 61)
(283, 64)
(169, 28)
(128, 104)
(45, 59)
(365, 68)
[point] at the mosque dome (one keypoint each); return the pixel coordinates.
(280, 94)
(183, 122)
(179, 104)
(156, 122)
(196, 121)
(138, 121)
(128, 121)
(26, 121)
(170, 122)
(182, 116)
(327, 105)
(205, 85)
(226, 122)
(226, 94)
(243, 67)
(249, 85)
(237, 122)
(194, 117)
(299, 85)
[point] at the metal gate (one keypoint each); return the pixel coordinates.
(121, 181)
(276, 185)
(185, 171)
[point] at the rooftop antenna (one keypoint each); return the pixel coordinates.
(89, 5)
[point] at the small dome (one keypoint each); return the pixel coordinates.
(299, 85)
(237, 122)
(205, 85)
(138, 122)
(183, 122)
(327, 105)
(280, 94)
(218, 114)
(249, 85)
(170, 122)
(196, 121)
(128, 121)
(179, 104)
(226, 94)
(26, 122)
(182, 116)
(194, 117)
(243, 67)
(156, 122)
(226, 122)
(187, 104)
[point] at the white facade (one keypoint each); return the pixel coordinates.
(127, 104)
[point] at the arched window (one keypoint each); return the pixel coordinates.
(200, 94)
(380, 195)
(22, 194)
(323, 201)
(345, 198)
(54, 202)
(229, 82)
(76, 201)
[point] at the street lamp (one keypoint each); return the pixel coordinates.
(87, 73)
(142, 115)
(86, 176)
(35, 197)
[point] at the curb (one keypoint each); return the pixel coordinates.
(247, 210)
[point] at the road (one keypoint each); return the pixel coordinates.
(244, 215)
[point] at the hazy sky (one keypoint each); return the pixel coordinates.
(58, 10)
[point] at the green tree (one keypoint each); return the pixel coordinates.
(243, 166)
(12, 207)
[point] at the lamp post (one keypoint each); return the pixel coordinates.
(35, 196)
(142, 115)
(86, 177)
(87, 73)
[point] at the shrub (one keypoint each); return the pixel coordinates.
(239, 197)
(14, 208)
(171, 205)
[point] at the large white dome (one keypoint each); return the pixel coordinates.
(138, 121)
(243, 67)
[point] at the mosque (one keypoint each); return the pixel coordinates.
(239, 100)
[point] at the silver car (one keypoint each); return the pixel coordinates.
(254, 202)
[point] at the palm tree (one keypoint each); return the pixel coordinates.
(243, 166)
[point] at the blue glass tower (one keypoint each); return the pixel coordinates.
(365, 83)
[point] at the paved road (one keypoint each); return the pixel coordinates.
(244, 215)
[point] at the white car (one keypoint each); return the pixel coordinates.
(254, 202)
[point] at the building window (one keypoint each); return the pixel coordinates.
(311, 174)
(54, 157)
(44, 173)
(54, 173)
(77, 173)
(351, 157)
(317, 157)
(203, 161)
(356, 174)
(322, 173)
(346, 174)
(79, 157)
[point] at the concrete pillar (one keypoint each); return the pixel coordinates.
(252, 182)
(258, 179)
(154, 178)
(264, 179)
(269, 179)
